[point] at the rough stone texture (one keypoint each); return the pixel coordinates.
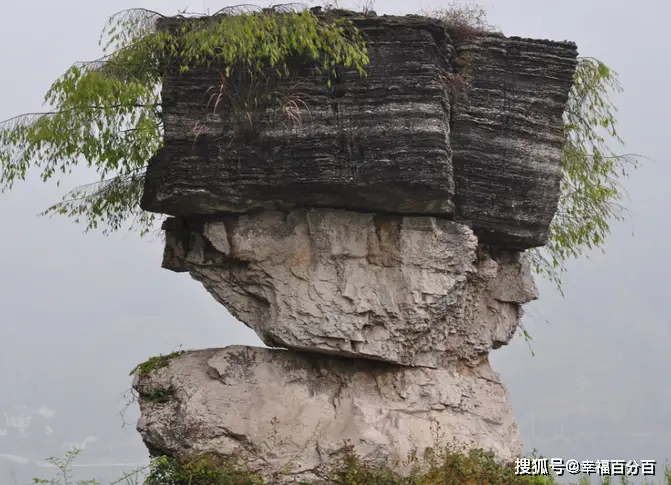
(507, 136)
(360, 232)
(277, 409)
(386, 143)
(403, 289)
(379, 144)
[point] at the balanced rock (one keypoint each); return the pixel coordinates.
(376, 234)
(408, 290)
(279, 411)
(401, 140)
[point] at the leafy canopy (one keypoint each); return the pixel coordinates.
(107, 113)
(590, 188)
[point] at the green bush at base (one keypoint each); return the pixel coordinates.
(444, 467)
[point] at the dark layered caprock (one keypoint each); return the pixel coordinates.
(507, 137)
(385, 143)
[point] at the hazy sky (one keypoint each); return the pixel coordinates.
(80, 310)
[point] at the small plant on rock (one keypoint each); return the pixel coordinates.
(154, 363)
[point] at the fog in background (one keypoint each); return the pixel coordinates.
(78, 312)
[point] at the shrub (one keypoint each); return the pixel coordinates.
(444, 466)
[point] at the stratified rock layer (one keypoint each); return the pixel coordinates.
(407, 290)
(378, 145)
(276, 409)
(384, 143)
(507, 136)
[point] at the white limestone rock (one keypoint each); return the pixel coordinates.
(407, 290)
(278, 409)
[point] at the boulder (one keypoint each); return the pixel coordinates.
(402, 140)
(376, 144)
(294, 414)
(408, 290)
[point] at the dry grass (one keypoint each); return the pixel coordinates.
(463, 20)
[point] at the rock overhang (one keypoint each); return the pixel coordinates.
(398, 141)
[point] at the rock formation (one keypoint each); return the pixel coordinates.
(388, 142)
(402, 289)
(271, 408)
(379, 245)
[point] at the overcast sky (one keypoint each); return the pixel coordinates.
(80, 310)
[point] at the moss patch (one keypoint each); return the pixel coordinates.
(202, 470)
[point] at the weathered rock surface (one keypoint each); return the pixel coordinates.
(378, 145)
(507, 136)
(277, 409)
(379, 240)
(386, 143)
(407, 290)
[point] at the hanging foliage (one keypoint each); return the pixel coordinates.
(107, 113)
(590, 188)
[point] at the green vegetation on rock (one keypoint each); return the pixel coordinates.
(106, 114)
(434, 467)
(154, 363)
(590, 190)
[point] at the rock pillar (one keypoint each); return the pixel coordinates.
(378, 251)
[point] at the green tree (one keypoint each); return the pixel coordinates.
(591, 192)
(106, 114)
